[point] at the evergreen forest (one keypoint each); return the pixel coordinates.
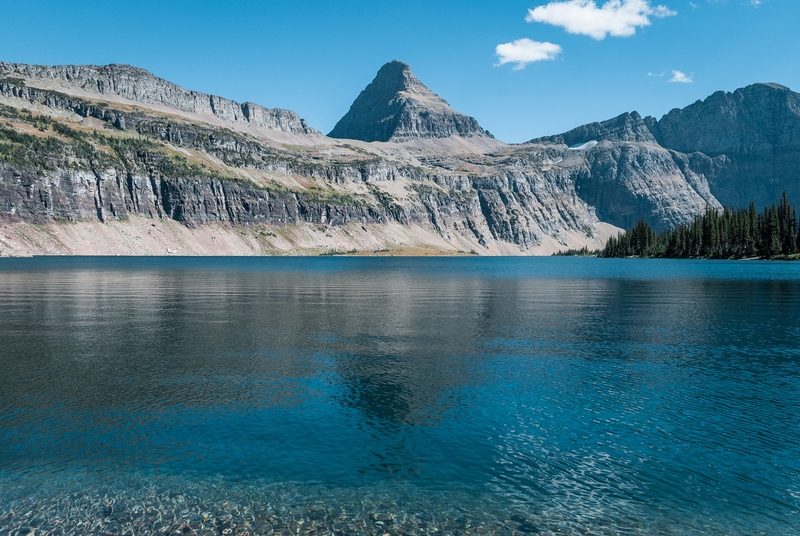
(771, 233)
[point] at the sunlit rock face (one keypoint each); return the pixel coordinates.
(110, 143)
(138, 85)
(620, 169)
(397, 106)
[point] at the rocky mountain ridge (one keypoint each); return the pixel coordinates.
(100, 150)
(138, 85)
(730, 149)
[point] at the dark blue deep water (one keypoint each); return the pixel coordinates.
(374, 396)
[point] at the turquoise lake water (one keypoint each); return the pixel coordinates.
(395, 395)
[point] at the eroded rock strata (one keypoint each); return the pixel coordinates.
(138, 85)
(103, 144)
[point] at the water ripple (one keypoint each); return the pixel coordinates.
(574, 394)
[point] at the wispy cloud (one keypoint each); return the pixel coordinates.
(679, 77)
(619, 18)
(525, 51)
(754, 3)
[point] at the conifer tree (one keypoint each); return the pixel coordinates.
(772, 238)
(753, 216)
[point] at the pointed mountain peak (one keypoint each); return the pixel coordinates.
(397, 77)
(397, 106)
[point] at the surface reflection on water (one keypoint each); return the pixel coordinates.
(567, 387)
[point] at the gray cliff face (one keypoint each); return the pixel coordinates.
(73, 195)
(731, 149)
(756, 120)
(66, 174)
(746, 143)
(83, 158)
(396, 106)
(630, 181)
(119, 119)
(619, 168)
(514, 207)
(508, 200)
(139, 85)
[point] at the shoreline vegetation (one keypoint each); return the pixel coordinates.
(732, 233)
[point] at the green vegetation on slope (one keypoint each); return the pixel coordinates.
(64, 145)
(69, 148)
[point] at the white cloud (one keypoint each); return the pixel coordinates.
(524, 51)
(619, 18)
(680, 78)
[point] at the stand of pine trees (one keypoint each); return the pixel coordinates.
(731, 234)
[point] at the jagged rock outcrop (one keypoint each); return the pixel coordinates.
(625, 127)
(67, 173)
(16, 88)
(760, 119)
(139, 85)
(620, 169)
(505, 198)
(730, 149)
(397, 106)
(746, 143)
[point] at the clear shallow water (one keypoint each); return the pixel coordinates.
(557, 395)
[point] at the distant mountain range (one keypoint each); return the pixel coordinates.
(138, 165)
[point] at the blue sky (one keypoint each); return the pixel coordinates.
(314, 57)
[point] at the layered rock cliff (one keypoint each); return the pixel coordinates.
(115, 144)
(64, 173)
(620, 169)
(138, 85)
(81, 156)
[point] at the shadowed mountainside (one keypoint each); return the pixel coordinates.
(729, 149)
